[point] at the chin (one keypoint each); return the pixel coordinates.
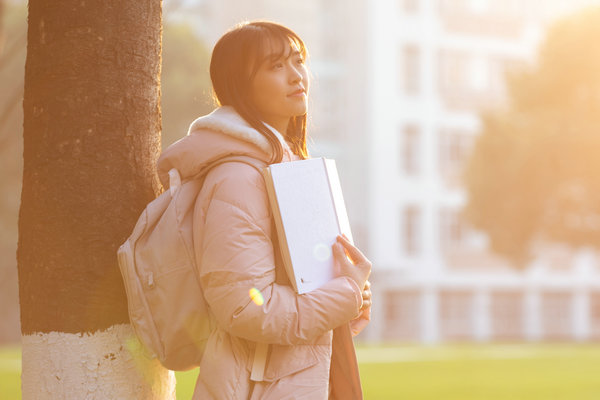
(299, 111)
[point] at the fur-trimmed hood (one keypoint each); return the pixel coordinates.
(221, 133)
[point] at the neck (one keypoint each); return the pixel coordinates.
(281, 128)
(280, 125)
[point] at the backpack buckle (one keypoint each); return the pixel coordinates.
(174, 180)
(150, 280)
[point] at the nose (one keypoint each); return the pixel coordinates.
(295, 75)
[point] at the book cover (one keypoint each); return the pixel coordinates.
(309, 211)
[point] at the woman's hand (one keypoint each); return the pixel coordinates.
(367, 295)
(357, 267)
(359, 323)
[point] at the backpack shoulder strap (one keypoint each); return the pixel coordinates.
(258, 165)
(251, 161)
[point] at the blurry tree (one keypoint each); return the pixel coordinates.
(185, 85)
(12, 61)
(91, 137)
(534, 175)
(1, 25)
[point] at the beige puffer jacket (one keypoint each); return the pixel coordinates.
(236, 249)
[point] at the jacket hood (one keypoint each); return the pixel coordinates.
(221, 133)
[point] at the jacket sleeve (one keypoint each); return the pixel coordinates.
(236, 255)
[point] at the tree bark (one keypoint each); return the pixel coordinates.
(91, 140)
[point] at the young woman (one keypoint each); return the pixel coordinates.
(274, 344)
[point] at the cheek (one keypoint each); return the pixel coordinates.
(268, 91)
(261, 85)
(262, 98)
(259, 95)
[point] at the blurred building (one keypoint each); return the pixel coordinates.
(434, 64)
(397, 88)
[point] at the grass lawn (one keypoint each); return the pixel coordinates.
(449, 372)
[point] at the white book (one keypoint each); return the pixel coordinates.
(309, 211)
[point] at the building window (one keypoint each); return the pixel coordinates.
(498, 19)
(409, 149)
(411, 220)
(506, 314)
(456, 315)
(467, 80)
(409, 6)
(452, 230)
(556, 315)
(452, 66)
(410, 66)
(402, 311)
(459, 71)
(454, 150)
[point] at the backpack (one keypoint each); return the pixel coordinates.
(166, 306)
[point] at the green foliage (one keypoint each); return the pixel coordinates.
(185, 83)
(534, 175)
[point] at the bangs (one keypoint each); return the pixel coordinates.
(269, 44)
(274, 48)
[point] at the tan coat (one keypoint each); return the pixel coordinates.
(235, 245)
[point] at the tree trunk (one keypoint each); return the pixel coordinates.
(1, 27)
(91, 140)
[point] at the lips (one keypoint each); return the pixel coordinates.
(298, 92)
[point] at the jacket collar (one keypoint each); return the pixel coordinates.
(226, 120)
(221, 133)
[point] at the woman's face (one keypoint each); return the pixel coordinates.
(280, 88)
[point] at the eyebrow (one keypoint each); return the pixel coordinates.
(275, 57)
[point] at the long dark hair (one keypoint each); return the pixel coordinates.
(235, 60)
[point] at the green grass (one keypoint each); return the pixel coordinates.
(10, 378)
(486, 372)
(450, 372)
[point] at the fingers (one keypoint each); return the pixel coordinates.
(367, 296)
(349, 261)
(338, 252)
(341, 262)
(355, 254)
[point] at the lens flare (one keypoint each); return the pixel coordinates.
(257, 297)
(321, 252)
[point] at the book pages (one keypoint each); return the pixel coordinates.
(338, 199)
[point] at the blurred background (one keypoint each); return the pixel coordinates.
(466, 134)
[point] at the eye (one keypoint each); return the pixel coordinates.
(277, 65)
